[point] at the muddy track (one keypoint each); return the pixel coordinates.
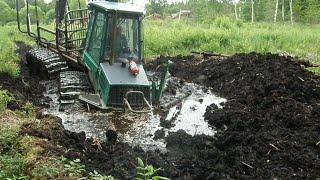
(268, 128)
(25, 88)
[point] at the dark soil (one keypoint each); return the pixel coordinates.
(24, 88)
(117, 159)
(268, 128)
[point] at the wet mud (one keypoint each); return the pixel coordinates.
(267, 127)
(182, 110)
(24, 88)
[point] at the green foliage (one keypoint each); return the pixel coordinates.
(75, 5)
(96, 176)
(172, 37)
(11, 167)
(9, 59)
(156, 6)
(8, 140)
(224, 22)
(32, 12)
(50, 16)
(48, 170)
(306, 11)
(4, 99)
(147, 172)
(74, 167)
(12, 3)
(6, 14)
(11, 162)
(30, 110)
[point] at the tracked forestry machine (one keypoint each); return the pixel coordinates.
(95, 52)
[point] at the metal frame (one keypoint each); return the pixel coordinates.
(126, 102)
(69, 33)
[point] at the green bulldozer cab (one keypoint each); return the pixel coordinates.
(103, 39)
(114, 39)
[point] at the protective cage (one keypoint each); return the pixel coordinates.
(118, 93)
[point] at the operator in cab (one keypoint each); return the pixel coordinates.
(121, 43)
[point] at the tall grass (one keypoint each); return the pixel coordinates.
(225, 36)
(172, 37)
(9, 59)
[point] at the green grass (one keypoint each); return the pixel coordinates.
(9, 59)
(225, 36)
(4, 99)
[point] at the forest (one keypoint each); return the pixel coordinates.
(301, 11)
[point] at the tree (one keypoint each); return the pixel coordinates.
(282, 9)
(291, 12)
(276, 11)
(235, 10)
(12, 3)
(50, 16)
(32, 12)
(6, 14)
(156, 6)
(252, 10)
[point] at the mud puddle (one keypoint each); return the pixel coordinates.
(182, 107)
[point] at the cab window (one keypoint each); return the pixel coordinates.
(95, 45)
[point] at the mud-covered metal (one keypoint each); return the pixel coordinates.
(45, 63)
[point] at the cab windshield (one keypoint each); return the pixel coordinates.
(122, 39)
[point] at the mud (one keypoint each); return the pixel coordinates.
(183, 109)
(268, 128)
(24, 88)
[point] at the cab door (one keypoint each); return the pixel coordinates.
(94, 50)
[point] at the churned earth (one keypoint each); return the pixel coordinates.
(265, 124)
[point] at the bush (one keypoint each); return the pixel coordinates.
(224, 22)
(32, 12)
(4, 99)
(6, 13)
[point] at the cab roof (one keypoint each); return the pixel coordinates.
(117, 6)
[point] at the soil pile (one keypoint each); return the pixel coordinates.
(25, 88)
(116, 159)
(269, 127)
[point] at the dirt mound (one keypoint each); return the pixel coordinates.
(116, 159)
(24, 88)
(270, 125)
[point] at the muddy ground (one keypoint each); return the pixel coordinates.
(269, 126)
(24, 88)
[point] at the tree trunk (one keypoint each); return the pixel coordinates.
(276, 11)
(282, 10)
(235, 10)
(252, 11)
(291, 12)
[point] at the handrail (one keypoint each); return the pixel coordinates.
(126, 102)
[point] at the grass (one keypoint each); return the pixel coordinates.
(9, 59)
(224, 36)
(29, 157)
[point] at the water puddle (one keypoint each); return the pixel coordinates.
(182, 107)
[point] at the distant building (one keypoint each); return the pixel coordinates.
(181, 13)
